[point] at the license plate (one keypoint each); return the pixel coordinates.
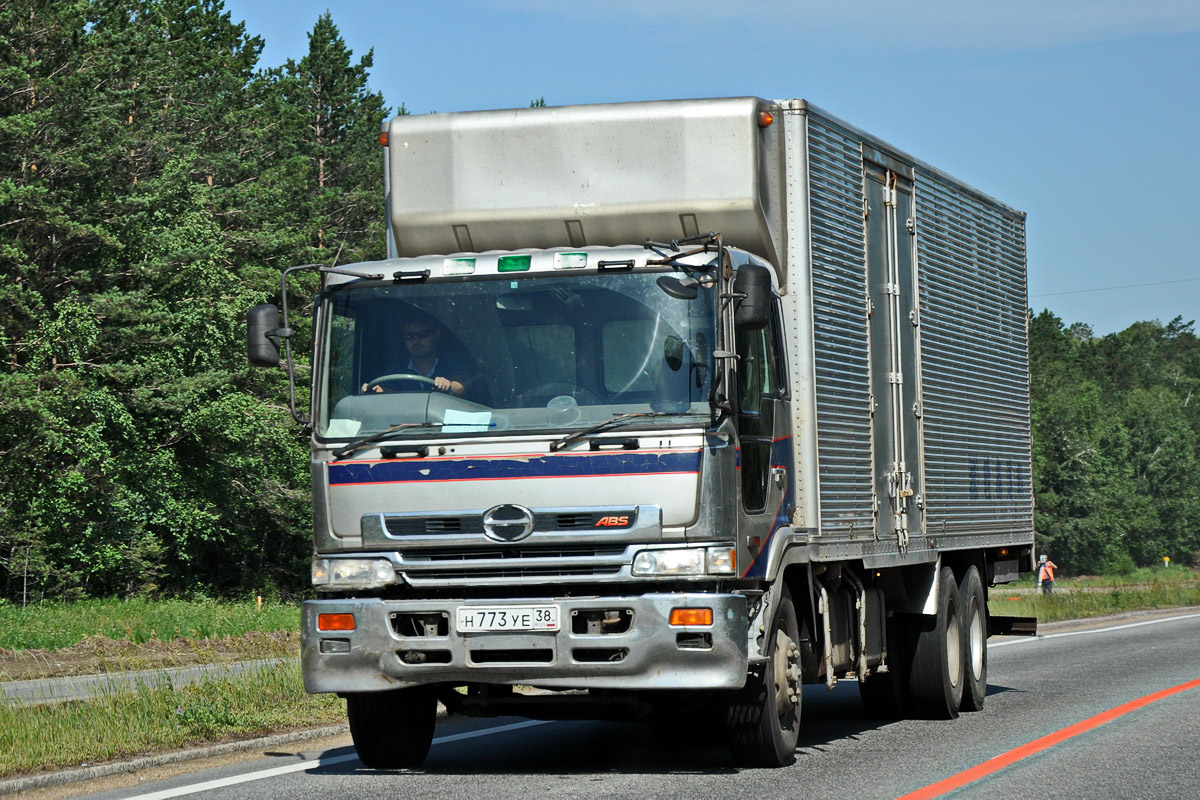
(507, 618)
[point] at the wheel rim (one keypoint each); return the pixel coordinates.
(787, 678)
(954, 651)
(975, 641)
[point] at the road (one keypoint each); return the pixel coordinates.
(1040, 688)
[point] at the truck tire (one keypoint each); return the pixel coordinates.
(975, 635)
(935, 683)
(885, 694)
(763, 717)
(392, 730)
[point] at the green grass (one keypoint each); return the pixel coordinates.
(127, 723)
(1145, 575)
(55, 625)
(1098, 596)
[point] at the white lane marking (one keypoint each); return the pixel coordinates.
(233, 780)
(1029, 639)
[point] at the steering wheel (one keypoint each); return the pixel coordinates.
(399, 376)
(547, 391)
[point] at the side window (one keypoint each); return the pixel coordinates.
(757, 378)
(340, 360)
(757, 371)
(779, 350)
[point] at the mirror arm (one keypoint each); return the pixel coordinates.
(285, 333)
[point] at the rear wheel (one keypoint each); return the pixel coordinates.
(936, 681)
(392, 730)
(763, 718)
(975, 633)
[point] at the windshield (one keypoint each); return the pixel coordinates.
(494, 356)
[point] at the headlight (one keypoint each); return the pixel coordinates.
(352, 573)
(689, 561)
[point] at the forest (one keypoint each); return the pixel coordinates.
(155, 179)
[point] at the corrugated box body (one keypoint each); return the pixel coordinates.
(964, 350)
(903, 289)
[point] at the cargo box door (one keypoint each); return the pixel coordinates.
(893, 342)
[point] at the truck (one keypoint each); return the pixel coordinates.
(662, 408)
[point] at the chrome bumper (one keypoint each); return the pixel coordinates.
(647, 653)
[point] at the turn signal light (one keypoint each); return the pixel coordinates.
(383, 139)
(335, 622)
(691, 616)
(765, 118)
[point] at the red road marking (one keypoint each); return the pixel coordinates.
(998, 763)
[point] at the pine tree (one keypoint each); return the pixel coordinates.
(338, 119)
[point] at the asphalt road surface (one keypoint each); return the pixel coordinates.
(1106, 710)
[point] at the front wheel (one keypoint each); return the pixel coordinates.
(392, 730)
(763, 717)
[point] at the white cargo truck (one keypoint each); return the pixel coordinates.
(661, 407)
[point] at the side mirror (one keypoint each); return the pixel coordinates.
(261, 323)
(753, 309)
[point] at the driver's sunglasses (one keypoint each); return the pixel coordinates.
(411, 335)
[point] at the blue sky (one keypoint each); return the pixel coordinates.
(1083, 113)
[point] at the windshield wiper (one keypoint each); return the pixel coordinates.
(381, 436)
(619, 419)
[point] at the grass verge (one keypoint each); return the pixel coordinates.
(52, 626)
(1081, 598)
(121, 724)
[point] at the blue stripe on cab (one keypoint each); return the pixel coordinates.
(549, 466)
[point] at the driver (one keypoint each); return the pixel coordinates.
(422, 337)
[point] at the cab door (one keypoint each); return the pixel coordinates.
(764, 452)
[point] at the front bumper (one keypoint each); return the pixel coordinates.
(647, 653)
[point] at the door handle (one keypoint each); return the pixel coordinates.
(779, 474)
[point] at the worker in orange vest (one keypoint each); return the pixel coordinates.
(1046, 569)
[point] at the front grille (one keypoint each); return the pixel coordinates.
(566, 522)
(491, 563)
(415, 525)
(485, 573)
(498, 554)
(423, 526)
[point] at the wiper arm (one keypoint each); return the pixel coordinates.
(619, 419)
(381, 436)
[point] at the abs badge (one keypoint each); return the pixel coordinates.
(507, 523)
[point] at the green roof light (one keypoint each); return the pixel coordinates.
(514, 263)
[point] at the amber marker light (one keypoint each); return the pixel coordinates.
(383, 140)
(691, 616)
(765, 118)
(335, 622)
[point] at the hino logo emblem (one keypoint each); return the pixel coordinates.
(507, 523)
